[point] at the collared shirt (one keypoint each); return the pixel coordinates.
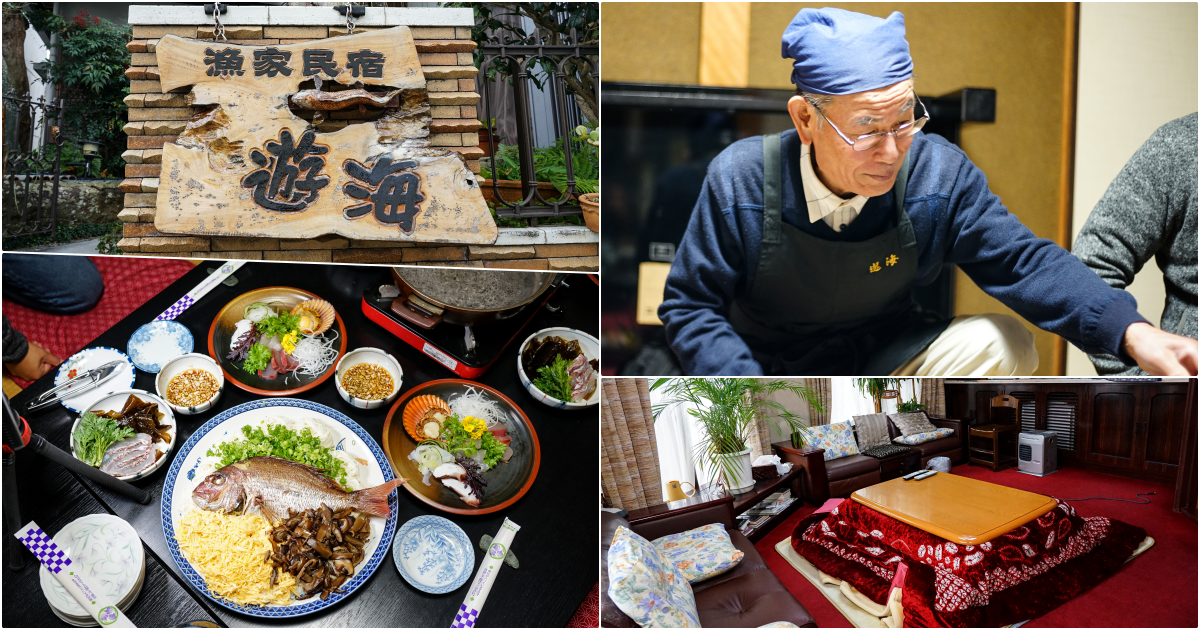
(823, 204)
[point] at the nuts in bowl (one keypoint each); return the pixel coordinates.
(368, 378)
(191, 383)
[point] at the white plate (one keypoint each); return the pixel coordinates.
(591, 350)
(108, 551)
(192, 465)
(115, 402)
(90, 359)
(154, 344)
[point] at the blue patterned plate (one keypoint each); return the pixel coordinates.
(433, 554)
(192, 465)
(152, 345)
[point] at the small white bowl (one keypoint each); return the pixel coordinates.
(369, 355)
(193, 360)
(115, 402)
(591, 350)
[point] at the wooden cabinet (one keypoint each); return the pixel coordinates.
(1135, 429)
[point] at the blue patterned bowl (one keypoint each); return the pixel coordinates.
(433, 554)
(156, 343)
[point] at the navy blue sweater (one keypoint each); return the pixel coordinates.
(956, 218)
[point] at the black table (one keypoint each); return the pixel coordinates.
(556, 516)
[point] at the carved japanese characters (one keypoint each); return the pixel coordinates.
(246, 165)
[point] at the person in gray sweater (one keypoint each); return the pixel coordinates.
(1149, 211)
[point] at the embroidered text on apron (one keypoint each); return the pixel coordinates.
(822, 307)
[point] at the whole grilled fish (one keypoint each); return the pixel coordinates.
(276, 485)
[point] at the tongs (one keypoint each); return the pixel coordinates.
(82, 383)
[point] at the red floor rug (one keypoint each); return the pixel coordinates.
(128, 283)
(1157, 590)
(588, 615)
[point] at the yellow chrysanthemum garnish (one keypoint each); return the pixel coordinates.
(289, 341)
(474, 426)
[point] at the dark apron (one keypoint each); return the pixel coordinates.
(832, 308)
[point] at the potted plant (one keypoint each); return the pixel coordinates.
(590, 202)
(727, 409)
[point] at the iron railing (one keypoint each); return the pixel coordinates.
(520, 58)
(31, 173)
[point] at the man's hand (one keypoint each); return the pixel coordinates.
(37, 362)
(1160, 353)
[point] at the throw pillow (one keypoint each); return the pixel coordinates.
(646, 586)
(911, 423)
(921, 438)
(700, 553)
(837, 439)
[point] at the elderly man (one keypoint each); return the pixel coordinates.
(802, 251)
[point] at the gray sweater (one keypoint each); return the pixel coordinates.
(1149, 210)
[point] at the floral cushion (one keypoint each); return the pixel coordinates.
(921, 438)
(648, 587)
(700, 553)
(837, 439)
(911, 423)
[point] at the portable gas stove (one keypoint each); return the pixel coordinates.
(469, 351)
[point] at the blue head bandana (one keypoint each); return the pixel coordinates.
(841, 52)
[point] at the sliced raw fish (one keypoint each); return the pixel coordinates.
(583, 378)
(450, 471)
(508, 452)
(129, 456)
(465, 493)
(498, 431)
(504, 439)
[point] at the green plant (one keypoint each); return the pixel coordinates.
(108, 242)
(554, 20)
(63, 234)
(909, 406)
(550, 165)
(875, 387)
(727, 409)
(90, 73)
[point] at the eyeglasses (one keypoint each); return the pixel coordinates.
(872, 140)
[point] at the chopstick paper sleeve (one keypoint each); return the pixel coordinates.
(68, 573)
(468, 613)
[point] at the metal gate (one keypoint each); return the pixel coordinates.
(31, 172)
(566, 114)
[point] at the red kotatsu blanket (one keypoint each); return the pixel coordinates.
(1017, 576)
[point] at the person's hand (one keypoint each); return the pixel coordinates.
(36, 363)
(1160, 353)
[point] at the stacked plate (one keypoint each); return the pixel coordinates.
(108, 551)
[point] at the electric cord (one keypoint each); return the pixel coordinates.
(1138, 494)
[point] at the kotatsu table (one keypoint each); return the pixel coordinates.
(556, 515)
(959, 509)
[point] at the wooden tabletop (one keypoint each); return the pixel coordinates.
(555, 515)
(959, 509)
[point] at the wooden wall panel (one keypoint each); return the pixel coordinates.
(1165, 423)
(1112, 427)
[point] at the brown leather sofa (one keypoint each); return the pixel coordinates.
(842, 476)
(747, 596)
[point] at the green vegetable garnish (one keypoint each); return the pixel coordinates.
(280, 441)
(278, 325)
(258, 358)
(95, 434)
(458, 441)
(554, 380)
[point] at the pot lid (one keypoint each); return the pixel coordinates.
(475, 290)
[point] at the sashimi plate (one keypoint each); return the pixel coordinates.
(506, 483)
(192, 465)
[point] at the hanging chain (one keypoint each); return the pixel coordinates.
(218, 27)
(349, 18)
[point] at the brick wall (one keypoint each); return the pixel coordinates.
(446, 56)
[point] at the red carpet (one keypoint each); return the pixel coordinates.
(1156, 590)
(128, 283)
(588, 615)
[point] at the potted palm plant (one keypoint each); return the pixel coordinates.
(876, 388)
(728, 409)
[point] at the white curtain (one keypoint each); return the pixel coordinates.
(677, 433)
(848, 402)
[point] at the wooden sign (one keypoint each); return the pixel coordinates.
(246, 165)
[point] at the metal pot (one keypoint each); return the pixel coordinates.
(466, 297)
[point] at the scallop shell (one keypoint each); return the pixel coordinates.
(316, 316)
(415, 410)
